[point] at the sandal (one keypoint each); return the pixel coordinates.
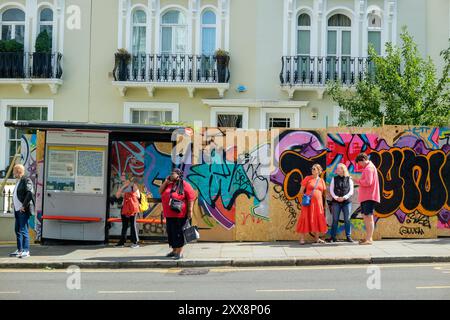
(302, 242)
(319, 241)
(365, 243)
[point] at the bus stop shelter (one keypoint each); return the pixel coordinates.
(76, 168)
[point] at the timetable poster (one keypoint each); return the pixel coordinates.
(61, 170)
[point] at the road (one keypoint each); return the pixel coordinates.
(391, 282)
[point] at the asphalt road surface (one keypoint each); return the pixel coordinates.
(391, 282)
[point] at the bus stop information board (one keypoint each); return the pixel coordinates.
(76, 169)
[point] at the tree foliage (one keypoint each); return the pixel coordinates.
(400, 88)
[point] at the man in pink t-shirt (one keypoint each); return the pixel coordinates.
(368, 194)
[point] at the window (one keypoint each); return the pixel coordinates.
(230, 120)
(303, 46)
(22, 113)
(150, 113)
(276, 122)
(374, 32)
(139, 32)
(342, 117)
(278, 117)
(173, 33)
(46, 21)
(229, 117)
(339, 43)
(150, 117)
(280, 120)
(208, 33)
(13, 25)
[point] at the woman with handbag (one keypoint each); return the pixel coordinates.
(130, 208)
(312, 216)
(177, 197)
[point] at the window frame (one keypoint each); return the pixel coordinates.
(4, 116)
(129, 107)
(46, 23)
(339, 31)
(304, 28)
(208, 26)
(376, 12)
(139, 25)
(13, 24)
(241, 111)
(294, 112)
(173, 27)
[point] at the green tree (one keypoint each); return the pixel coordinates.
(400, 88)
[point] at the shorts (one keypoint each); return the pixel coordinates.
(368, 207)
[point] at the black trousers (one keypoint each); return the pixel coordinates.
(175, 232)
(131, 222)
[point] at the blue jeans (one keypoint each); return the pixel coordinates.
(21, 228)
(336, 208)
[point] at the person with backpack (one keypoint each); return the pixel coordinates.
(130, 208)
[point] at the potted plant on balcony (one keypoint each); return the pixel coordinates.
(223, 59)
(42, 57)
(122, 60)
(11, 59)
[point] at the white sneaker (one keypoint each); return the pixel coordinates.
(15, 253)
(134, 246)
(25, 254)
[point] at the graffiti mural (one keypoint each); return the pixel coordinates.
(150, 164)
(343, 148)
(241, 197)
(414, 173)
(221, 179)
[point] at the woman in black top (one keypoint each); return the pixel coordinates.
(341, 189)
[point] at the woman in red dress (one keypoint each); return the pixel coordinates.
(312, 217)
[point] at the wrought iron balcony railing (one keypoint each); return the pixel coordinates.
(317, 71)
(18, 65)
(171, 68)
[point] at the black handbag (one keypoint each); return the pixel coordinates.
(190, 232)
(176, 205)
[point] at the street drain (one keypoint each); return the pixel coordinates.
(193, 272)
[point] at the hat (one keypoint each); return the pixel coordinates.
(178, 171)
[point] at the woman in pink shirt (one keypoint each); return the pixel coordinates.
(368, 194)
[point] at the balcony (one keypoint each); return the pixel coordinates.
(29, 69)
(305, 73)
(163, 71)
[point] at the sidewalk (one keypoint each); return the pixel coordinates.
(152, 255)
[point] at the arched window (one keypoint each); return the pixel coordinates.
(374, 31)
(339, 48)
(13, 25)
(139, 39)
(339, 35)
(303, 47)
(173, 32)
(46, 21)
(304, 34)
(208, 32)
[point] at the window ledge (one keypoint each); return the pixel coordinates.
(27, 84)
(123, 86)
